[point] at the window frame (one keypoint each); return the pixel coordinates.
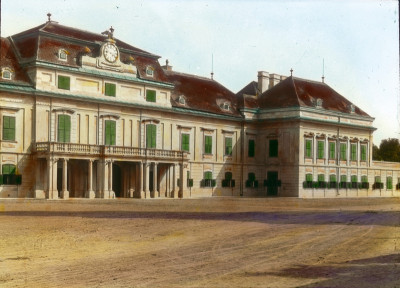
(60, 82)
(185, 146)
(151, 95)
(112, 131)
(63, 132)
(332, 152)
(251, 148)
(274, 151)
(353, 151)
(208, 139)
(343, 151)
(308, 150)
(6, 72)
(321, 149)
(110, 89)
(228, 148)
(149, 71)
(151, 136)
(363, 152)
(389, 184)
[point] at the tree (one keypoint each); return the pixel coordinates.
(389, 150)
(375, 153)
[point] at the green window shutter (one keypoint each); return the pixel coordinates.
(343, 178)
(353, 148)
(363, 152)
(110, 89)
(364, 179)
(9, 128)
(308, 148)
(377, 179)
(332, 148)
(389, 182)
(208, 175)
(251, 151)
(64, 128)
(228, 176)
(273, 148)
(8, 169)
(150, 95)
(321, 177)
(185, 142)
(343, 151)
(251, 176)
(63, 82)
(321, 149)
(67, 130)
(208, 144)
(109, 132)
(332, 178)
(353, 178)
(309, 177)
(151, 134)
(228, 146)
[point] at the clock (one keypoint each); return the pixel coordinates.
(110, 52)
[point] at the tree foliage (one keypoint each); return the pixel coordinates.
(389, 150)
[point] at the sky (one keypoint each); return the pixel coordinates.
(354, 43)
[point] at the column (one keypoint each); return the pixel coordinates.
(90, 193)
(146, 181)
(174, 192)
(111, 194)
(141, 190)
(52, 192)
(40, 187)
(64, 190)
(155, 188)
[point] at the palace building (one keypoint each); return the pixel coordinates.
(86, 115)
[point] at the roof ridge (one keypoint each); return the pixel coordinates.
(295, 90)
(191, 75)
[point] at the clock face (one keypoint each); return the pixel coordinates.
(110, 52)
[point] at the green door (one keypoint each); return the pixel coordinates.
(272, 187)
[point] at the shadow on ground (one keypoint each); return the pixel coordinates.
(381, 218)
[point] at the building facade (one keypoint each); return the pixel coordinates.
(86, 115)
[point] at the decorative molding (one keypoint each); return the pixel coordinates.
(184, 127)
(14, 109)
(227, 132)
(65, 110)
(151, 120)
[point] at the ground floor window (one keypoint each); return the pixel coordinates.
(207, 180)
(8, 176)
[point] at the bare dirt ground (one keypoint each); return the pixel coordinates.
(217, 242)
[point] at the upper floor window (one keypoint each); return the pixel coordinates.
(321, 149)
(343, 151)
(6, 73)
(182, 100)
(332, 150)
(353, 150)
(109, 132)
(64, 82)
(62, 54)
(151, 136)
(185, 145)
(208, 144)
(150, 71)
(9, 128)
(363, 152)
(251, 151)
(228, 146)
(110, 89)
(273, 148)
(64, 128)
(308, 148)
(150, 95)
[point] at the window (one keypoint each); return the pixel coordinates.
(189, 181)
(251, 151)
(308, 148)
(9, 128)
(149, 71)
(321, 181)
(8, 176)
(63, 82)
(6, 74)
(353, 148)
(321, 148)
(150, 95)
(389, 183)
(354, 182)
(309, 181)
(332, 150)
(185, 142)
(151, 134)
(228, 181)
(109, 89)
(309, 177)
(182, 100)
(364, 179)
(364, 182)
(207, 180)
(225, 106)
(332, 181)
(62, 54)
(109, 132)
(363, 152)
(251, 181)
(228, 146)
(343, 181)
(343, 151)
(64, 128)
(273, 148)
(208, 144)
(378, 184)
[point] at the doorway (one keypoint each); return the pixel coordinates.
(272, 187)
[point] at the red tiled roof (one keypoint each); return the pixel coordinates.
(8, 59)
(201, 93)
(296, 92)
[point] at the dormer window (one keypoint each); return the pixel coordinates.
(149, 71)
(182, 100)
(225, 106)
(6, 73)
(318, 103)
(62, 54)
(352, 108)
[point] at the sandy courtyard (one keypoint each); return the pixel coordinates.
(218, 242)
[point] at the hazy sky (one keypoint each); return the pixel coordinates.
(358, 41)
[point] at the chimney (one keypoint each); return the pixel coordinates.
(263, 81)
(273, 80)
(166, 66)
